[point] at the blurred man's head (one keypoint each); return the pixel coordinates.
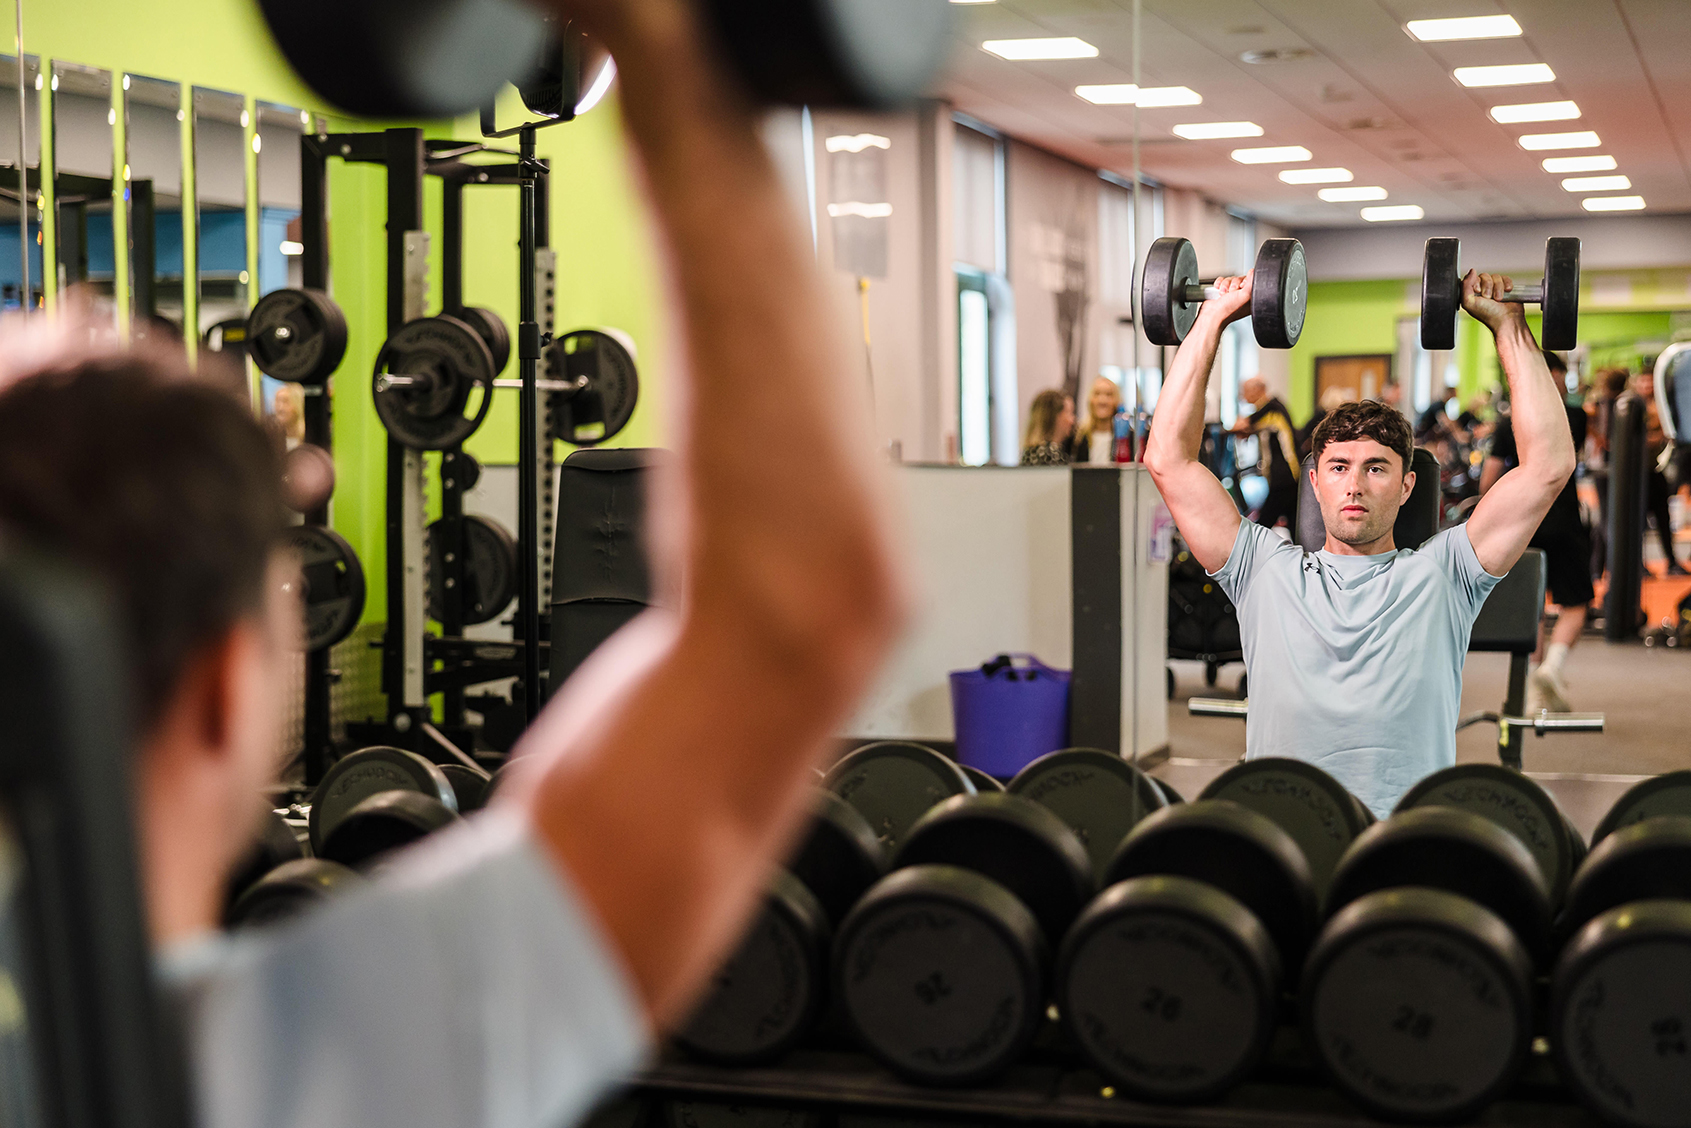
(1361, 474)
(1254, 391)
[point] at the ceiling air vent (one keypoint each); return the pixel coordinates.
(1277, 55)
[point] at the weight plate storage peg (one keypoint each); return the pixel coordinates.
(426, 384)
(332, 584)
(296, 335)
(490, 568)
(606, 387)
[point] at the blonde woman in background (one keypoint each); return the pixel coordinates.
(1095, 438)
(1050, 429)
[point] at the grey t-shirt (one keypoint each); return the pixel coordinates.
(1355, 662)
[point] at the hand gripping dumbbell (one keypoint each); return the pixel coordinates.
(1171, 291)
(1557, 294)
(941, 969)
(1417, 998)
(1170, 981)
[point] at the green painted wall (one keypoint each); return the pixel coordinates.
(1344, 319)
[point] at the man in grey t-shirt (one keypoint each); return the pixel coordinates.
(1355, 651)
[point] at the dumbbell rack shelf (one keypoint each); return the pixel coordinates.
(1059, 1092)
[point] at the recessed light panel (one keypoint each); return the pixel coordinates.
(1579, 164)
(1060, 47)
(1272, 154)
(1581, 139)
(1391, 214)
(1110, 94)
(1513, 74)
(1535, 111)
(1153, 96)
(1127, 94)
(1463, 27)
(1596, 184)
(1352, 195)
(1210, 130)
(1317, 175)
(1614, 203)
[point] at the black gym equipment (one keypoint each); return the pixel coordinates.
(981, 780)
(596, 387)
(369, 772)
(1098, 794)
(384, 60)
(1666, 794)
(470, 786)
(893, 784)
(274, 845)
(433, 383)
(290, 890)
(487, 574)
(1304, 801)
(382, 823)
(1629, 471)
(298, 336)
(490, 327)
(1557, 294)
(1171, 292)
(333, 584)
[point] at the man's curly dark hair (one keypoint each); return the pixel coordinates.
(1369, 419)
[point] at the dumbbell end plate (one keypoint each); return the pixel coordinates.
(1170, 267)
(1560, 303)
(1279, 293)
(1441, 294)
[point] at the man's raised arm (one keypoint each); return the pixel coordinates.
(674, 767)
(1510, 511)
(1204, 512)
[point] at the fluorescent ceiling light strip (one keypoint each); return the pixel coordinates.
(855, 143)
(1579, 164)
(1463, 27)
(1352, 195)
(1317, 175)
(1579, 139)
(1392, 213)
(1596, 184)
(1153, 96)
(1272, 154)
(1150, 97)
(1512, 74)
(1058, 47)
(1535, 111)
(1210, 130)
(1613, 203)
(867, 211)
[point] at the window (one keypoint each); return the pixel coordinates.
(986, 420)
(974, 370)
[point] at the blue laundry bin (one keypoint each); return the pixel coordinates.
(1009, 712)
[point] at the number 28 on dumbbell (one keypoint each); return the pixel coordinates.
(1171, 292)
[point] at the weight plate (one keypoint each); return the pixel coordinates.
(1417, 1004)
(768, 995)
(1239, 852)
(1666, 794)
(370, 771)
(289, 890)
(1016, 842)
(275, 844)
(296, 335)
(840, 857)
(1279, 293)
(1456, 851)
(1644, 861)
(1560, 328)
(1513, 802)
(450, 362)
(1620, 1014)
(229, 335)
(1171, 266)
(469, 786)
(383, 823)
(893, 783)
(489, 573)
(938, 970)
(332, 584)
(1441, 293)
(1171, 988)
(605, 404)
(490, 327)
(1304, 801)
(1098, 794)
(981, 780)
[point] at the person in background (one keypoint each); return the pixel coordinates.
(1094, 439)
(1471, 425)
(288, 414)
(1435, 422)
(1599, 414)
(1656, 491)
(1277, 442)
(1050, 432)
(1567, 553)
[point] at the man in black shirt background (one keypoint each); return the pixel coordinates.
(1277, 441)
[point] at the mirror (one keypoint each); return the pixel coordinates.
(83, 118)
(220, 190)
(20, 215)
(279, 248)
(152, 139)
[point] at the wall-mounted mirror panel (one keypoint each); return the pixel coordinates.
(279, 132)
(220, 183)
(20, 215)
(83, 119)
(153, 146)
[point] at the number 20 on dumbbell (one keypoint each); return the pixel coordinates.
(1171, 292)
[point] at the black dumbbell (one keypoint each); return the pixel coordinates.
(771, 992)
(470, 786)
(1098, 794)
(273, 845)
(1620, 1001)
(1171, 292)
(357, 776)
(1304, 801)
(892, 783)
(1557, 294)
(1417, 998)
(941, 968)
(383, 823)
(1171, 979)
(1666, 794)
(288, 891)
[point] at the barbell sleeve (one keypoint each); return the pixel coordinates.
(386, 382)
(577, 385)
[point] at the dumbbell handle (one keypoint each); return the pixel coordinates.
(1544, 722)
(385, 383)
(1204, 291)
(1216, 707)
(1523, 295)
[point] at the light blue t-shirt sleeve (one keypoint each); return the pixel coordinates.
(1455, 555)
(467, 986)
(1253, 545)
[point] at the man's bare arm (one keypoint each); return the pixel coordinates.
(675, 767)
(1510, 511)
(1204, 512)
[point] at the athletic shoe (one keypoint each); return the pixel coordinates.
(1549, 691)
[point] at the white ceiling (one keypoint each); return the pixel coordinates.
(1368, 97)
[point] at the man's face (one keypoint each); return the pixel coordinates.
(1254, 391)
(1360, 485)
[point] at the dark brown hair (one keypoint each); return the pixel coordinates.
(164, 486)
(1369, 419)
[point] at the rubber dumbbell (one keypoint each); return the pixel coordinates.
(941, 969)
(1171, 291)
(1666, 794)
(771, 992)
(370, 771)
(1557, 295)
(1304, 801)
(1170, 981)
(1620, 1000)
(289, 891)
(273, 845)
(383, 823)
(892, 783)
(1417, 998)
(1098, 794)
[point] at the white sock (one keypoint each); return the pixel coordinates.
(1554, 655)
